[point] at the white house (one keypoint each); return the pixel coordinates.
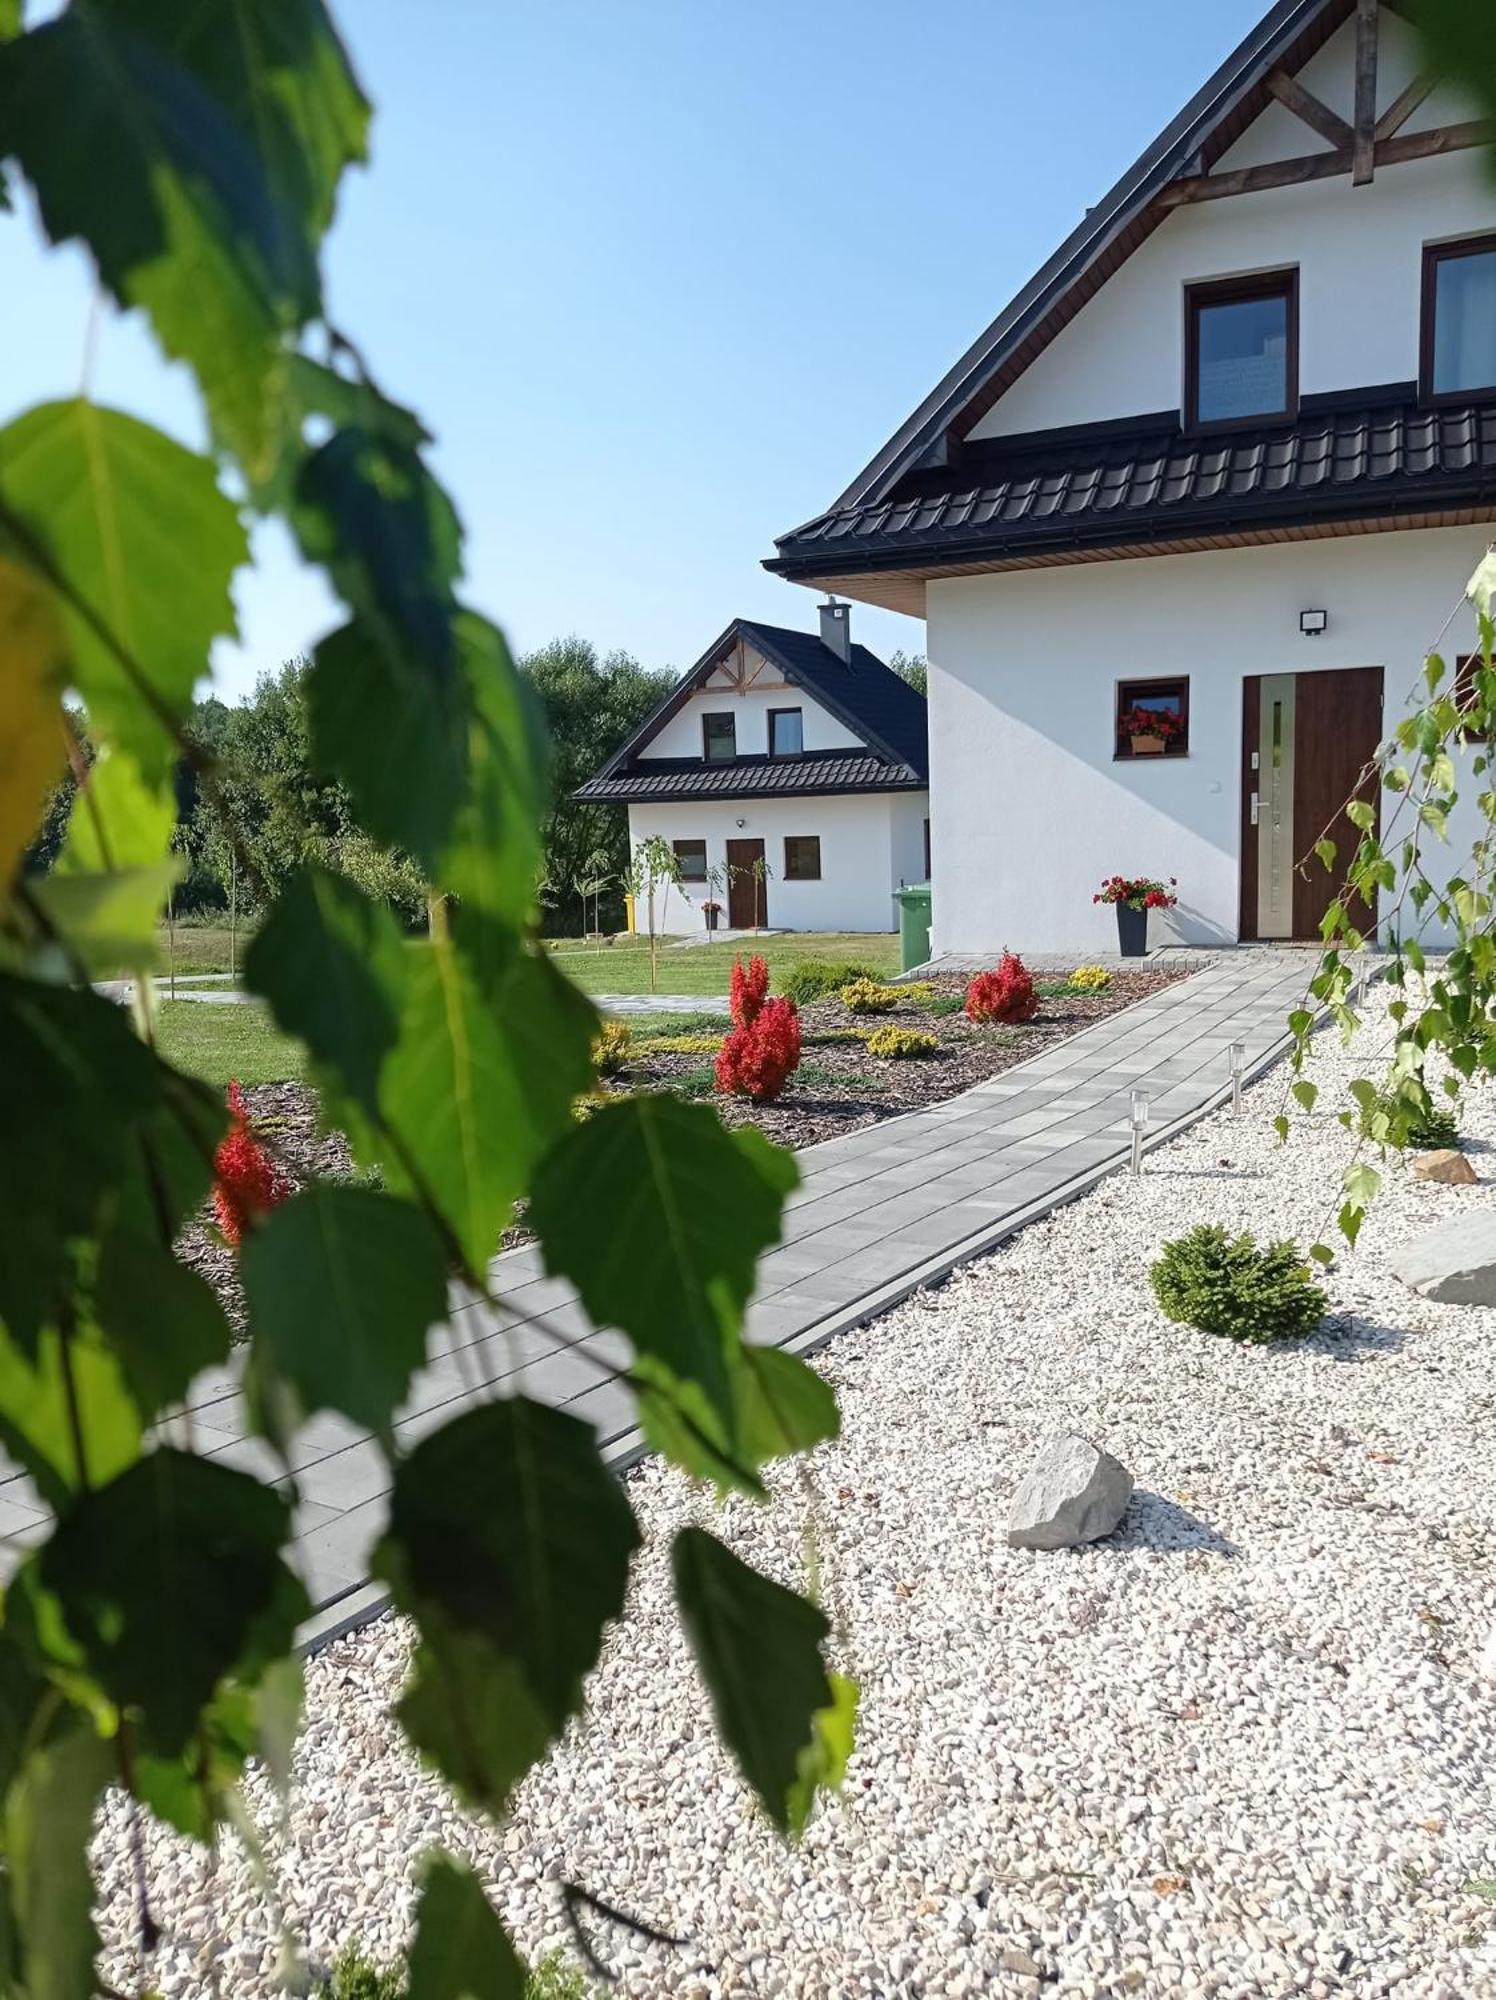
(1228, 460)
(789, 772)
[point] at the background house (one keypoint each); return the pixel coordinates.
(1229, 458)
(789, 771)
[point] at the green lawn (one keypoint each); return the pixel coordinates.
(227, 1044)
(704, 968)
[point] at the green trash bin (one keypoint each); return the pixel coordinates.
(914, 924)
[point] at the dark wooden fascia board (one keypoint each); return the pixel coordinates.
(673, 702)
(844, 715)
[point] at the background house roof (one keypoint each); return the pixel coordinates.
(869, 698)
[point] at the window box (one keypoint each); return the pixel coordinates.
(1152, 718)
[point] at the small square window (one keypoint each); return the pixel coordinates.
(1459, 318)
(719, 738)
(1241, 350)
(690, 858)
(786, 732)
(1463, 692)
(1153, 718)
(802, 857)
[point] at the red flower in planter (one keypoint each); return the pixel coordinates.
(758, 1059)
(1005, 995)
(747, 990)
(247, 1182)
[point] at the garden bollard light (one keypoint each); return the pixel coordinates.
(1139, 1116)
(1238, 1062)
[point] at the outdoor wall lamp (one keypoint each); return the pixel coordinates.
(1138, 1116)
(1313, 624)
(740, 822)
(1238, 1063)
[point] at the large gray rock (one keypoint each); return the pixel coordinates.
(1455, 1263)
(1072, 1493)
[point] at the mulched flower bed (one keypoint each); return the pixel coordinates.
(840, 1087)
(837, 1088)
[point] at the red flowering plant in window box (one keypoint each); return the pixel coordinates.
(1006, 995)
(1150, 731)
(759, 1057)
(247, 1184)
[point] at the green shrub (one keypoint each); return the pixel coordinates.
(869, 996)
(355, 1977)
(1434, 1130)
(830, 1038)
(1429, 1131)
(942, 1004)
(812, 979)
(1226, 1285)
(678, 1045)
(900, 1044)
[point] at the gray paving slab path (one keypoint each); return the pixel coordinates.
(879, 1212)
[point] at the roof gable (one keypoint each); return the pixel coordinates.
(1204, 152)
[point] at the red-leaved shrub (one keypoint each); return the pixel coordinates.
(758, 1060)
(747, 990)
(247, 1183)
(1005, 995)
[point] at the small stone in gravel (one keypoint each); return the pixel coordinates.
(1072, 1493)
(1446, 1166)
(1455, 1263)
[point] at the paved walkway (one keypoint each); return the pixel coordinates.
(880, 1212)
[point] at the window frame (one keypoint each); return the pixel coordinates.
(695, 881)
(1435, 254)
(708, 717)
(1209, 292)
(774, 715)
(792, 875)
(1133, 686)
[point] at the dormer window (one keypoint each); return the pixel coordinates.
(1459, 319)
(786, 732)
(1241, 350)
(719, 738)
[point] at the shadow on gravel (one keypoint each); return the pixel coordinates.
(1154, 1522)
(1349, 1337)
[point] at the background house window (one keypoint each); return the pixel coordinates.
(719, 738)
(802, 857)
(1153, 718)
(690, 858)
(1463, 692)
(1241, 350)
(1459, 318)
(786, 732)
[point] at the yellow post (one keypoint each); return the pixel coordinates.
(628, 913)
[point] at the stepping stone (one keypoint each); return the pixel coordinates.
(1073, 1493)
(1455, 1263)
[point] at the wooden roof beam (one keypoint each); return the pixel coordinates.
(1402, 108)
(1364, 152)
(1306, 107)
(1391, 152)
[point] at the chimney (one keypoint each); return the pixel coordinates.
(836, 629)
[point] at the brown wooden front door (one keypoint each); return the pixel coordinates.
(747, 890)
(1307, 739)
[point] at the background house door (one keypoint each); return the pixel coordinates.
(747, 890)
(1306, 740)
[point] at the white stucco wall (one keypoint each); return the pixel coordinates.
(1031, 810)
(681, 735)
(1358, 252)
(865, 843)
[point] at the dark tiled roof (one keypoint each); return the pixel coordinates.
(653, 779)
(1356, 461)
(866, 696)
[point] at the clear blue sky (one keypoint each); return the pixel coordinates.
(662, 274)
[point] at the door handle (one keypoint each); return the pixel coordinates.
(1256, 805)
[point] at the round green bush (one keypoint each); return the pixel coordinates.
(1227, 1285)
(813, 978)
(900, 1044)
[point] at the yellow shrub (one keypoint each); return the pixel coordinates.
(1090, 979)
(900, 1044)
(613, 1047)
(867, 996)
(678, 1045)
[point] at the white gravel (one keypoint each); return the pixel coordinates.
(1243, 1748)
